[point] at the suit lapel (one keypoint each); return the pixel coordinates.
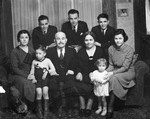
(79, 28)
(55, 53)
(66, 54)
(107, 31)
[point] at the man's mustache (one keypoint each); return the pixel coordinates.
(60, 43)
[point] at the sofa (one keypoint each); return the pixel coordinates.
(135, 95)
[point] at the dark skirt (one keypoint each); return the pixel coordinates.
(85, 87)
(26, 87)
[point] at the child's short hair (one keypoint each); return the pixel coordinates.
(41, 48)
(101, 60)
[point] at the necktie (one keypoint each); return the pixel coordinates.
(61, 55)
(44, 32)
(103, 32)
(74, 28)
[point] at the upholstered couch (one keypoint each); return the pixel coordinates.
(135, 95)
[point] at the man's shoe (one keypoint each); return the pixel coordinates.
(109, 115)
(82, 112)
(87, 112)
(60, 113)
(70, 113)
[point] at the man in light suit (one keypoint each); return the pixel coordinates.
(44, 33)
(103, 32)
(63, 58)
(74, 29)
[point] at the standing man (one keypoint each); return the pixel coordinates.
(44, 33)
(103, 32)
(63, 58)
(74, 29)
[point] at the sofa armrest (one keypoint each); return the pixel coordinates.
(136, 94)
(141, 68)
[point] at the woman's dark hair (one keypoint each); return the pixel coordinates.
(41, 48)
(121, 31)
(89, 33)
(22, 32)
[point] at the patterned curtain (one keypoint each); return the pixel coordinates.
(25, 13)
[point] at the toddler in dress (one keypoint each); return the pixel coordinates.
(98, 78)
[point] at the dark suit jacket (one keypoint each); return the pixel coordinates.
(105, 40)
(45, 40)
(69, 59)
(75, 38)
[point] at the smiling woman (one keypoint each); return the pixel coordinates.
(86, 59)
(121, 69)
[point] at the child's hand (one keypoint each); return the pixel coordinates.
(44, 75)
(34, 81)
(95, 82)
(70, 72)
(79, 76)
(31, 77)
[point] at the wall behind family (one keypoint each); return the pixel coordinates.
(125, 19)
(25, 13)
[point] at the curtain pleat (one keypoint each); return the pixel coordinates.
(6, 27)
(89, 10)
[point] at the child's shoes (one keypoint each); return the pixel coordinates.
(99, 110)
(104, 112)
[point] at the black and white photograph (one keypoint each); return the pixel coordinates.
(74, 59)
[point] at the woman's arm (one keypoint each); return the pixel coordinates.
(31, 75)
(110, 68)
(127, 62)
(15, 65)
(32, 68)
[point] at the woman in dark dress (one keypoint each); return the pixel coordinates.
(86, 59)
(20, 60)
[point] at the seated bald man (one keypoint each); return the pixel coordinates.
(63, 58)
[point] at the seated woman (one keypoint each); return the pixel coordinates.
(20, 60)
(120, 70)
(86, 58)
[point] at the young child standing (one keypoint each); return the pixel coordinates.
(40, 69)
(100, 85)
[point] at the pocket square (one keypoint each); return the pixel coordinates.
(81, 34)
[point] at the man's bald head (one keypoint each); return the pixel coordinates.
(60, 39)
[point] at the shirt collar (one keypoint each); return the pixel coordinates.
(76, 27)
